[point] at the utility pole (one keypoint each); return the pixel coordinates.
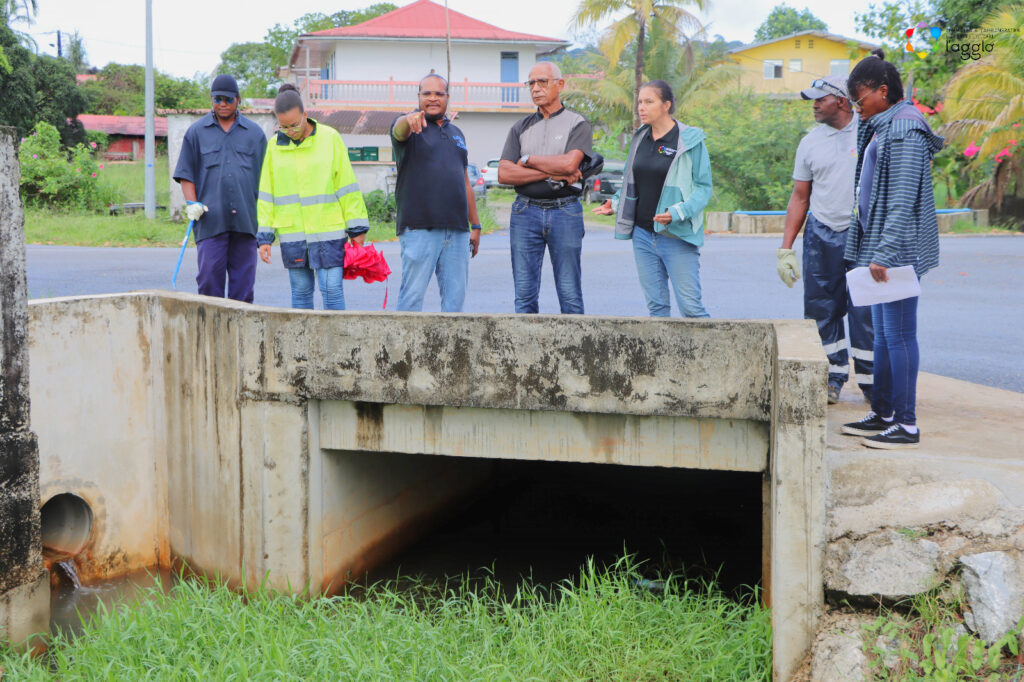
(60, 51)
(150, 200)
(448, 40)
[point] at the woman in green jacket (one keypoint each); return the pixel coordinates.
(667, 183)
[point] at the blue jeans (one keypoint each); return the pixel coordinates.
(826, 301)
(438, 251)
(560, 229)
(661, 259)
(303, 282)
(896, 360)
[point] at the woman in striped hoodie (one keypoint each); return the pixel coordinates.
(893, 225)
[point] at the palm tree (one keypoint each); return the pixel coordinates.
(633, 28)
(20, 12)
(985, 107)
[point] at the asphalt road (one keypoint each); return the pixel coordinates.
(971, 315)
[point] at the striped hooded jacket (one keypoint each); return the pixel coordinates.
(309, 196)
(901, 228)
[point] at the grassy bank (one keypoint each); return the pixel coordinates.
(603, 627)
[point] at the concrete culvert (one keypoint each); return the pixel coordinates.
(66, 523)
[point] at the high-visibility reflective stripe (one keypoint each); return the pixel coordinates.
(279, 201)
(347, 189)
(357, 222)
(831, 348)
(318, 199)
(864, 379)
(292, 237)
(325, 236)
(838, 369)
(862, 354)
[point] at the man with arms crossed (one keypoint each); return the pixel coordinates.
(826, 161)
(542, 157)
(436, 206)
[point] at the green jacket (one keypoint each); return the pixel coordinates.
(687, 189)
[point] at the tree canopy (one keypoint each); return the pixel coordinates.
(252, 66)
(119, 89)
(280, 38)
(784, 20)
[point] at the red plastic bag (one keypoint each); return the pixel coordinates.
(366, 262)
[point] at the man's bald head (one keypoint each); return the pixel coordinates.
(546, 70)
(546, 85)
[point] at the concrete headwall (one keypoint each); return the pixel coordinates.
(24, 584)
(302, 448)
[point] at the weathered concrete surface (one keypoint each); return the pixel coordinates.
(838, 651)
(262, 444)
(887, 566)
(995, 592)
(24, 587)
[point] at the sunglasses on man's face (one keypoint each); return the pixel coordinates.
(223, 99)
(822, 84)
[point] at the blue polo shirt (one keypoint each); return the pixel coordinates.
(431, 188)
(225, 167)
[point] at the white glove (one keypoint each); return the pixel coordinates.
(195, 210)
(789, 269)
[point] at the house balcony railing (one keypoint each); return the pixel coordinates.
(393, 94)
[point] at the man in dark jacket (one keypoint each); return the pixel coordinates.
(219, 172)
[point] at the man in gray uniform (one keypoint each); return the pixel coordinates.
(823, 178)
(542, 158)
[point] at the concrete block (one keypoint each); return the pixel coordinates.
(886, 565)
(742, 223)
(14, 398)
(995, 592)
(947, 220)
(981, 217)
(717, 221)
(25, 611)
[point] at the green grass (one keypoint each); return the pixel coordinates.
(968, 227)
(601, 628)
(96, 229)
(128, 180)
(923, 639)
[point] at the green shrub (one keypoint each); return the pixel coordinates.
(97, 139)
(54, 176)
(381, 208)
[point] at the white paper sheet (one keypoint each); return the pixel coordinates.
(864, 290)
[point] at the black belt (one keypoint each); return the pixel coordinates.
(549, 203)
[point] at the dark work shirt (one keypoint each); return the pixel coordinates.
(225, 167)
(431, 189)
(560, 133)
(650, 166)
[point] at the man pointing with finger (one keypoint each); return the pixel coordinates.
(437, 221)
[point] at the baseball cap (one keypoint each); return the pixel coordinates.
(224, 85)
(829, 85)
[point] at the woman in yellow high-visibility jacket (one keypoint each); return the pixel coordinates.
(309, 197)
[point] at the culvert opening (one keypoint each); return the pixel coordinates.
(66, 524)
(544, 520)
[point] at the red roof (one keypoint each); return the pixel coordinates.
(425, 19)
(122, 125)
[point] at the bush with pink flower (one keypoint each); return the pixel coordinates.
(55, 176)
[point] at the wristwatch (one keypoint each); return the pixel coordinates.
(523, 159)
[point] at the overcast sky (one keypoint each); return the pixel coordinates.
(189, 35)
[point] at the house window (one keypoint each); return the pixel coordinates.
(796, 43)
(810, 43)
(796, 65)
(772, 69)
(839, 67)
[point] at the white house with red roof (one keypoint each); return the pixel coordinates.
(376, 66)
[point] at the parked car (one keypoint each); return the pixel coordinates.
(476, 180)
(489, 171)
(604, 185)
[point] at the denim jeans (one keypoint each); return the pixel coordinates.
(661, 259)
(826, 301)
(303, 282)
(896, 360)
(441, 252)
(560, 229)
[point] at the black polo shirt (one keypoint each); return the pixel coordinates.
(559, 133)
(431, 189)
(650, 166)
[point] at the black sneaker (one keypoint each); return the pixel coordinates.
(868, 426)
(893, 438)
(833, 394)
